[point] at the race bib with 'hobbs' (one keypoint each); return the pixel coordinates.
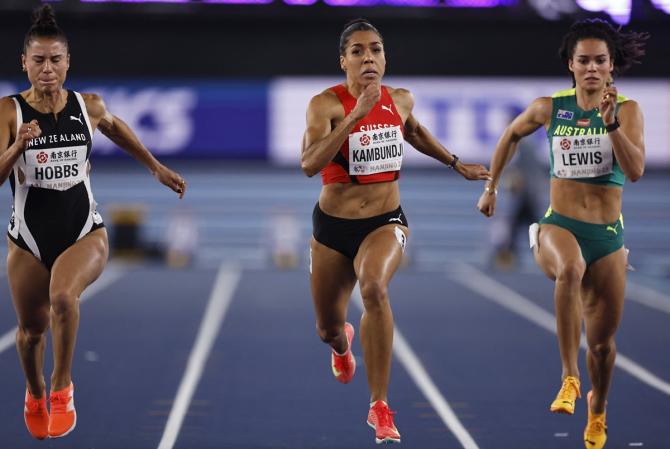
(57, 169)
(581, 156)
(375, 151)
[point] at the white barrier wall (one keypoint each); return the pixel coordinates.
(466, 114)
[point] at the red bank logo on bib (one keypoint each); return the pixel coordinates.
(42, 157)
(565, 144)
(365, 140)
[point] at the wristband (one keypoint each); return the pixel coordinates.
(491, 191)
(614, 126)
(453, 162)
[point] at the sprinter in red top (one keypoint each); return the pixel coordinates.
(355, 137)
(376, 143)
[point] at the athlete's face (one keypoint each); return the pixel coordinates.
(364, 60)
(591, 64)
(46, 61)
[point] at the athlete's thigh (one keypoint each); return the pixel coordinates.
(29, 284)
(332, 279)
(557, 247)
(603, 295)
(81, 264)
(380, 253)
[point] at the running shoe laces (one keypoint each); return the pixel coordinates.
(566, 397)
(63, 418)
(33, 406)
(380, 418)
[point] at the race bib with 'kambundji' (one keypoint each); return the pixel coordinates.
(375, 151)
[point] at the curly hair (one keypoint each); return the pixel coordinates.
(625, 48)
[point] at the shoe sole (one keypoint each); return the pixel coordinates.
(69, 430)
(385, 440)
(562, 411)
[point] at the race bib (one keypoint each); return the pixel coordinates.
(56, 169)
(581, 156)
(375, 151)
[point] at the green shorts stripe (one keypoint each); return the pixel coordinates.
(595, 240)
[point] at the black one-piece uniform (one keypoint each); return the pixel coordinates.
(53, 203)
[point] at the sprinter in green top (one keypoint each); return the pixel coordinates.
(596, 141)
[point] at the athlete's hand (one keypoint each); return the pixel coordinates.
(27, 132)
(487, 203)
(473, 172)
(171, 179)
(367, 100)
(608, 105)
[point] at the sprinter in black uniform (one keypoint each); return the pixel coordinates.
(57, 244)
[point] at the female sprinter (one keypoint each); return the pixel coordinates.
(354, 137)
(596, 141)
(57, 240)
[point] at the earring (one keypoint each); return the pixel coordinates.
(24, 68)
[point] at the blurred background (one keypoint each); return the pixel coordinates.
(217, 89)
(221, 87)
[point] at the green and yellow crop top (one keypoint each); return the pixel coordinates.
(579, 147)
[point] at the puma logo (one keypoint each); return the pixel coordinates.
(388, 108)
(396, 219)
(613, 229)
(72, 117)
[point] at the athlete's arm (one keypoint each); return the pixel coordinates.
(120, 133)
(628, 139)
(420, 138)
(10, 153)
(321, 142)
(536, 115)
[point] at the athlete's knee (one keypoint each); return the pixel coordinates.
(602, 350)
(63, 302)
(32, 334)
(571, 272)
(374, 293)
(328, 334)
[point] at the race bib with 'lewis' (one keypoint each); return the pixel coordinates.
(582, 156)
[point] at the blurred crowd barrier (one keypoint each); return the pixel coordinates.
(265, 120)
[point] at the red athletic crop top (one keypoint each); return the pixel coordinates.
(373, 152)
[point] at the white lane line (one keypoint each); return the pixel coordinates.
(494, 291)
(111, 274)
(219, 300)
(648, 297)
(421, 378)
